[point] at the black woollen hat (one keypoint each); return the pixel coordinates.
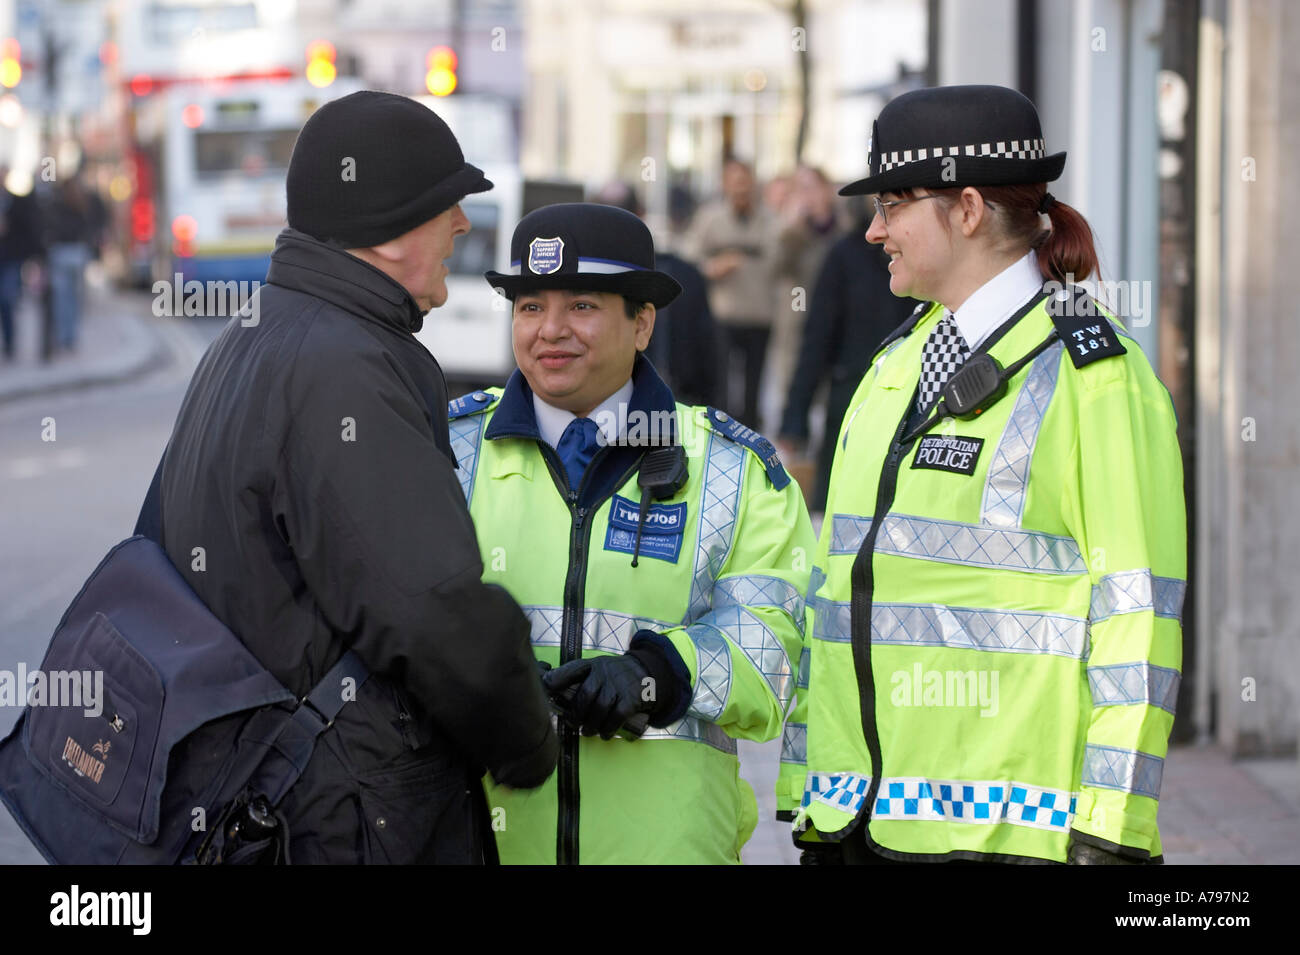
(406, 169)
(585, 247)
(946, 137)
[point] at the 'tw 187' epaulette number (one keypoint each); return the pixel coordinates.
(1091, 339)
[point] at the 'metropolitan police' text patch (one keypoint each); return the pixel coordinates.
(661, 535)
(941, 452)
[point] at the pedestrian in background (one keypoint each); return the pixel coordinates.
(71, 236)
(684, 349)
(850, 312)
(20, 240)
(733, 239)
(810, 224)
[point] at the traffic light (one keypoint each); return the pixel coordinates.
(11, 68)
(320, 64)
(441, 77)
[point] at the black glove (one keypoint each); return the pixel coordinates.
(610, 692)
(542, 668)
(1080, 853)
(821, 853)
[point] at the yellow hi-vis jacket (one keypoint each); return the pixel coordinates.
(722, 569)
(994, 615)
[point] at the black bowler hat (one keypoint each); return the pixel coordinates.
(372, 166)
(951, 136)
(584, 247)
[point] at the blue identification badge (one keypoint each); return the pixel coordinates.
(545, 256)
(661, 535)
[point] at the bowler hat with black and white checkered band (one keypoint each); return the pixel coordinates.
(585, 247)
(946, 137)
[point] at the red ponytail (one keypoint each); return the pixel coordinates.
(1065, 252)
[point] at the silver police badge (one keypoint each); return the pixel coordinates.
(545, 255)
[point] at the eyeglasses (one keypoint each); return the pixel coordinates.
(883, 207)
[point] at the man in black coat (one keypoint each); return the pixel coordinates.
(309, 496)
(850, 314)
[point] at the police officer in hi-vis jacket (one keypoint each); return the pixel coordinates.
(660, 551)
(994, 611)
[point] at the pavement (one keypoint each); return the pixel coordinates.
(118, 340)
(1214, 810)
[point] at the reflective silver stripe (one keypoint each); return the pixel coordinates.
(832, 620)
(466, 436)
(1127, 770)
(759, 644)
(1132, 591)
(713, 673)
(847, 533)
(1004, 491)
(758, 590)
(935, 625)
(805, 666)
(604, 630)
(955, 543)
(548, 625)
(996, 630)
(1121, 684)
(721, 499)
(696, 731)
(794, 743)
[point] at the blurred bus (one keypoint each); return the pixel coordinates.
(470, 335)
(208, 162)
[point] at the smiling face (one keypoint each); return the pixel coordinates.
(576, 349)
(920, 249)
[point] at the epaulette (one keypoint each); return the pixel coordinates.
(904, 328)
(1087, 333)
(472, 403)
(733, 430)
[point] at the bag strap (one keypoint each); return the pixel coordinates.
(149, 523)
(314, 714)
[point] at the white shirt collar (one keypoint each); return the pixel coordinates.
(998, 299)
(551, 421)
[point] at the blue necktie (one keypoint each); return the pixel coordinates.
(577, 447)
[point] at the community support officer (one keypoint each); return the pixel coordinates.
(660, 550)
(995, 607)
(311, 468)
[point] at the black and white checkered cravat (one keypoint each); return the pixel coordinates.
(944, 353)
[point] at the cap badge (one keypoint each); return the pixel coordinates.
(545, 255)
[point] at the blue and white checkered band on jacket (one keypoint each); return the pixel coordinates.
(545, 256)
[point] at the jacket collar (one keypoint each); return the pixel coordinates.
(308, 265)
(514, 416)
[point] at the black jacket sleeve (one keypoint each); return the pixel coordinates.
(380, 531)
